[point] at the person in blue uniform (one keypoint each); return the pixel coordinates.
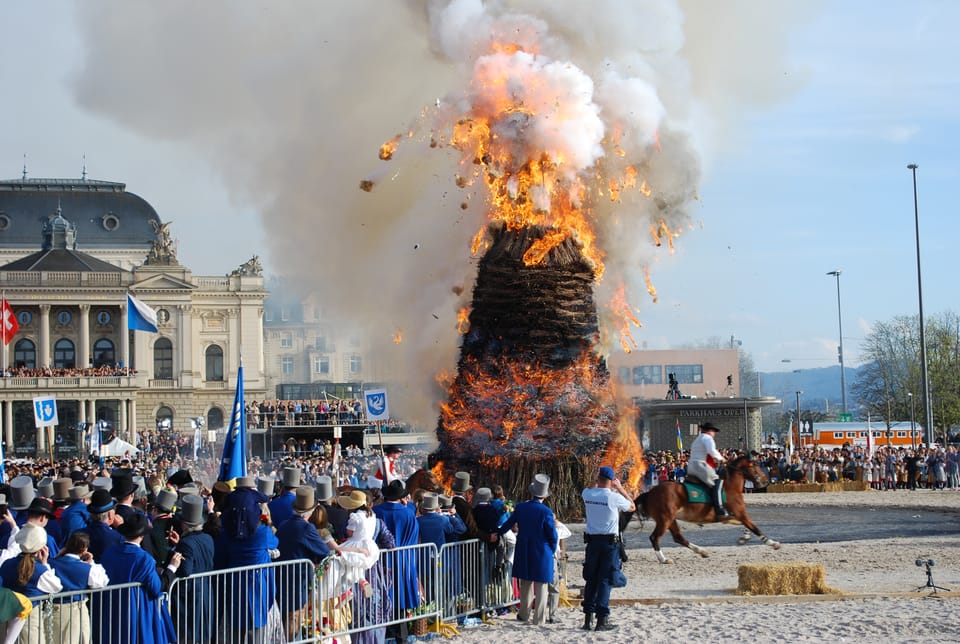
(281, 508)
(401, 521)
(536, 545)
(246, 539)
(76, 569)
(75, 516)
(102, 520)
(439, 528)
(134, 615)
(29, 575)
(192, 598)
(603, 504)
(298, 539)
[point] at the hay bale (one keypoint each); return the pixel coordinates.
(788, 578)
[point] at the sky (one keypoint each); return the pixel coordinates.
(249, 125)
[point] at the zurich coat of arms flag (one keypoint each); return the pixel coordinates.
(233, 464)
(375, 404)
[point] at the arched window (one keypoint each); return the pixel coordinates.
(214, 355)
(64, 356)
(163, 359)
(215, 418)
(103, 354)
(25, 354)
(164, 418)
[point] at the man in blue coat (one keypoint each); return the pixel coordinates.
(536, 545)
(401, 521)
(439, 528)
(298, 539)
(102, 519)
(191, 599)
(134, 614)
(281, 508)
(75, 516)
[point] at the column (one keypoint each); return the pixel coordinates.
(124, 336)
(8, 425)
(44, 335)
(85, 358)
(122, 421)
(82, 413)
(133, 420)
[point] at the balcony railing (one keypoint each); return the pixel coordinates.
(68, 382)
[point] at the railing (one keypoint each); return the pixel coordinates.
(162, 383)
(291, 601)
(68, 382)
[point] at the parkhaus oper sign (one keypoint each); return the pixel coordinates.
(701, 412)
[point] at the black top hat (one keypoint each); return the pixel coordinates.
(40, 505)
(709, 427)
(392, 449)
(135, 526)
(123, 486)
(180, 477)
(394, 491)
(101, 501)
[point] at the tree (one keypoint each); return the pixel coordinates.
(892, 369)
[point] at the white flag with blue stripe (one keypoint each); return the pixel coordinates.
(45, 411)
(140, 317)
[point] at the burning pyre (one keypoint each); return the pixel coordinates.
(531, 394)
(551, 155)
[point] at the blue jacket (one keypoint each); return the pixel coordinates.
(102, 537)
(536, 541)
(281, 508)
(136, 616)
(73, 518)
(440, 529)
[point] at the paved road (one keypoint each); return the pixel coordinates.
(805, 524)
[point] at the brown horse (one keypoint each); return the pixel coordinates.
(423, 480)
(667, 503)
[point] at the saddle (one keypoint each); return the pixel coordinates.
(700, 492)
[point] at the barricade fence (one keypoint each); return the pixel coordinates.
(412, 588)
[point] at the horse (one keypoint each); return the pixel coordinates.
(668, 502)
(425, 480)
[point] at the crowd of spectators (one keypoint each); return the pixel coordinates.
(293, 413)
(887, 468)
(68, 372)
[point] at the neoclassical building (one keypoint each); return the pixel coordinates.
(71, 250)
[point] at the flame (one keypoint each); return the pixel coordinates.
(463, 320)
(644, 189)
(651, 289)
(398, 336)
(625, 317)
(388, 148)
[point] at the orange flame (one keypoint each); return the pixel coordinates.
(388, 148)
(463, 320)
(625, 316)
(651, 289)
(398, 336)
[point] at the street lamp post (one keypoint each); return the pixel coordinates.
(913, 432)
(927, 405)
(843, 376)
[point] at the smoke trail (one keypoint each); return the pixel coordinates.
(291, 101)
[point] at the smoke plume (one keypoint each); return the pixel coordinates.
(291, 102)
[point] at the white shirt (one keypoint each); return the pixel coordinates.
(603, 506)
(704, 446)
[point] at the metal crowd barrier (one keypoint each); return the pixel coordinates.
(272, 602)
(290, 601)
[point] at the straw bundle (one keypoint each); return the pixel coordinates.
(788, 578)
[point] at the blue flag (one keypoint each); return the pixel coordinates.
(140, 317)
(233, 464)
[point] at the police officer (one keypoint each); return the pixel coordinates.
(603, 504)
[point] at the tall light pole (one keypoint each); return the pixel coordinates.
(927, 404)
(913, 438)
(843, 376)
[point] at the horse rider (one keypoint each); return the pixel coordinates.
(704, 457)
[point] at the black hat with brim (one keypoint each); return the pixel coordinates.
(135, 526)
(394, 491)
(709, 427)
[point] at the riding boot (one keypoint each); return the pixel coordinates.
(603, 623)
(718, 499)
(587, 622)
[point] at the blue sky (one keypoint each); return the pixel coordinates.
(813, 183)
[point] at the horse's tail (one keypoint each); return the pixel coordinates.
(641, 503)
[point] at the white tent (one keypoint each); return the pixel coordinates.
(118, 447)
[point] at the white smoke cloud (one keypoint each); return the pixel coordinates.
(290, 102)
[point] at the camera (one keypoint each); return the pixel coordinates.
(925, 562)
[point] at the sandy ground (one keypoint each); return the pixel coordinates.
(695, 600)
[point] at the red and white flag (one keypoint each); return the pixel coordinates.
(8, 322)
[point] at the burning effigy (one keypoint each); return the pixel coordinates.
(551, 155)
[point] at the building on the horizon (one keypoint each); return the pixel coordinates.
(71, 250)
